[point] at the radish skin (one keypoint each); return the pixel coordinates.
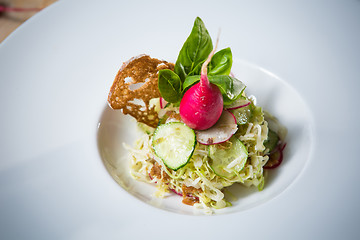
(199, 107)
(163, 103)
(240, 105)
(276, 158)
(202, 105)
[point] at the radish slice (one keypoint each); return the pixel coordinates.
(275, 158)
(176, 192)
(163, 103)
(241, 102)
(221, 132)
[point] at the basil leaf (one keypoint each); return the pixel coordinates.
(195, 50)
(197, 69)
(221, 63)
(169, 85)
(189, 81)
(230, 87)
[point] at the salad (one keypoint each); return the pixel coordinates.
(201, 132)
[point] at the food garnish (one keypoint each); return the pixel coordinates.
(202, 104)
(135, 85)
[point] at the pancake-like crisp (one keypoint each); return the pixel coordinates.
(134, 85)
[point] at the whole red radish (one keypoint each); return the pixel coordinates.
(202, 105)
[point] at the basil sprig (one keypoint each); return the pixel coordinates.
(170, 86)
(230, 87)
(194, 52)
(221, 63)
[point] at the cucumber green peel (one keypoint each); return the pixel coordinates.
(228, 158)
(174, 144)
(272, 141)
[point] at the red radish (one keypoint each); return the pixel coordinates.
(176, 192)
(202, 105)
(163, 102)
(220, 132)
(241, 102)
(275, 158)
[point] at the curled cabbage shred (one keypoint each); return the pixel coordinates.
(198, 173)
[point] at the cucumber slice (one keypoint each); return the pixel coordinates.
(250, 113)
(228, 158)
(272, 141)
(174, 143)
(257, 114)
(242, 115)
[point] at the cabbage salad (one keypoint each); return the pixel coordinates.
(210, 134)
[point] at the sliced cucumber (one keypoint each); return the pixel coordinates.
(257, 114)
(174, 143)
(272, 140)
(250, 113)
(242, 115)
(228, 158)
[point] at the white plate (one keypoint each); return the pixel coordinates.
(274, 95)
(55, 73)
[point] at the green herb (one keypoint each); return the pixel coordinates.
(189, 81)
(195, 50)
(257, 115)
(169, 85)
(231, 88)
(221, 63)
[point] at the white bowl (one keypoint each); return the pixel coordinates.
(272, 93)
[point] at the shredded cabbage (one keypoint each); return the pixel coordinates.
(198, 173)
